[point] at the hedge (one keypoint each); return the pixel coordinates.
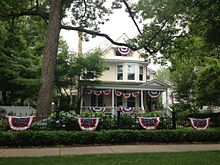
(52, 138)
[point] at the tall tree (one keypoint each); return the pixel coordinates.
(85, 14)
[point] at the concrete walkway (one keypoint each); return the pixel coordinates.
(60, 151)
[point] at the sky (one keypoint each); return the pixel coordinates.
(119, 23)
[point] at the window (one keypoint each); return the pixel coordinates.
(120, 72)
(88, 75)
(119, 101)
(131, 72)
(131, 102)
(141, 73)
(97, 100)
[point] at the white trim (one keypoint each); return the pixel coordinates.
(142, 101)
(113, 101)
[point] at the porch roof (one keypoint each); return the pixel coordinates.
(153, 85)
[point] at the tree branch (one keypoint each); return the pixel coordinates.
(29, 12)
(131, 15)
(95, 33)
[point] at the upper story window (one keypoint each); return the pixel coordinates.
(122, 51)
(89, 75)
(141, 73)
(119, 72)
(131, 72)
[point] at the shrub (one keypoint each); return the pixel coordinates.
(51, 138)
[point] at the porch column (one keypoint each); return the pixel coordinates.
(142, 101)
(113, 101)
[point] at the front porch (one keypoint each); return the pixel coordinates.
(132, 98)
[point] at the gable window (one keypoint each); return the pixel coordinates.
(141, 73)
(119, 72)
(131, 72)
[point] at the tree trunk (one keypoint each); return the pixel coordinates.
(44, 102)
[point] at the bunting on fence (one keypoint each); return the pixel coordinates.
(154, 94)
(97, 109)
(200, 124)
(126, 109)
(89, 124)
(123, 51)
(20, 123)
(149, 122)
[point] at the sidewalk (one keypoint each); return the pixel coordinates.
(60, 151)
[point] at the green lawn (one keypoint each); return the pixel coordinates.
(184, 158)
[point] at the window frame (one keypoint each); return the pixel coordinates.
(141, 74)
(131, 73)
(121, 72)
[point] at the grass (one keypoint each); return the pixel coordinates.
(179, 158)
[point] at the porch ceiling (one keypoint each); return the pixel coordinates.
(154, 85)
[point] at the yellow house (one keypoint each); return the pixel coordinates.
(127, 84)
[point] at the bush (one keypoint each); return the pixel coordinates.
(51, 138)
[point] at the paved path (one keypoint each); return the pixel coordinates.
(60, 151)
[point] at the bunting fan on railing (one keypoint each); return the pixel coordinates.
(89, 91)
(126, 109)
(106, 92)
(135, 94)
(88, 124)
(118, 93)
(154, 94)
(200, 124)
(123, 51)
(97, 109)
(97, 93)
(20, 123)
(149, 122)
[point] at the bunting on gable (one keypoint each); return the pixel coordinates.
(200, 124)
(123, 51)
(20, 123)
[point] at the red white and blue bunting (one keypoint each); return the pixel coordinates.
(154, 94)
(126, 109)
(123, 51)
(126, 95)
(149, 123)
(20, 123)
(97, 109)
(200, 124)
(88, 124)
(98, 92)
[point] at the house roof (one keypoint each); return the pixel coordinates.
(153, 85)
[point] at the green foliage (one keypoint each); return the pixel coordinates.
(207, 83)
(51, 138)
(20, 59)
